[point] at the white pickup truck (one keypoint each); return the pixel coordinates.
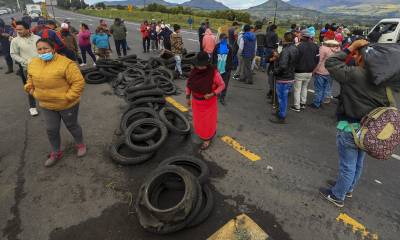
(389, 29)
(34, 11)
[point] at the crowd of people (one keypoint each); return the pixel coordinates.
(336, 54)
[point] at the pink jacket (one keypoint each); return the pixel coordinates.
(84, 38)
(324, 53)
(209, 42)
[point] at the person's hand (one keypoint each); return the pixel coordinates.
(209, 95)
(189, 102)
(31, 91)
(358, 44)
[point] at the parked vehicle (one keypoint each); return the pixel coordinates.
(34, 11)
(389, 29)
(3, 11)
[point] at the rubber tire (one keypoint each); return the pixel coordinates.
(147, 100)
(124, 160)
(131, 112)
(145, 93)
(171, 126)
(206, 208)
(150, 148)
(133, 89)
(182, 160)
(98, 80)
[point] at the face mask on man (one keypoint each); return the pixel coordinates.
(46, 56)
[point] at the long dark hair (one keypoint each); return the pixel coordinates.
(85, 26)
(46, 40)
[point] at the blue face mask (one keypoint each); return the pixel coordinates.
(46, 56)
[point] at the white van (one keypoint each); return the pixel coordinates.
(390, 30)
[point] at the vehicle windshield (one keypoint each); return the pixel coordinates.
(387, 27)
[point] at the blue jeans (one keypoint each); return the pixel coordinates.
(351, 161)
(282, 91)
(322, 87)
(261, 54)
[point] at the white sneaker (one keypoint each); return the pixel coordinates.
(82, 64)
(94, 64)
(33, 111)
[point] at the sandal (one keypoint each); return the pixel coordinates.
(205, 145)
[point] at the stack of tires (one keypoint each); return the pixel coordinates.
(175, 196)
(144, 130)
(187, 61)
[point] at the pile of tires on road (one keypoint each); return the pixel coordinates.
(130, 72)
(175, 196)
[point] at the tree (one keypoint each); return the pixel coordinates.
(100, 5)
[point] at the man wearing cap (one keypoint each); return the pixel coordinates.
(69, 40)
(306, 62)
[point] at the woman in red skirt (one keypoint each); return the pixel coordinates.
(204, 84)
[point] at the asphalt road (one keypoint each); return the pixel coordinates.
(88, 198)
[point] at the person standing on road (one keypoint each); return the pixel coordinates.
(190, 22)
(271, 46)
(203, 85)
(202, 31)
(153, 37)
(222, 59)
(27, 19)
(322, 79)
(306, 62)
(69, 40)
(22, 50)
(145, 32)
(58, 92)
(209, 42)
(6, 33)
(284, 76)
(248, 50)
(261, 39)
(177, 49)
(165, 35)
(358, 97)
(101, 41)
(118, 30)
(84, 44)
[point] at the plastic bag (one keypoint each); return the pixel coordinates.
(382, 61)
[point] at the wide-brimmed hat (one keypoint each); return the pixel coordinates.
(202, 59)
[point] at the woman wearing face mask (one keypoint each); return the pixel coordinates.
(57, 83)
(204, 84)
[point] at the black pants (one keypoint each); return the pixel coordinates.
(87, 49)
(9, 60)
(118, 45)
(201, 44)
(225, 76)
(146, 44)
(23, 75)
(167, 44)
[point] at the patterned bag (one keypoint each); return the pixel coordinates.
(379, 134)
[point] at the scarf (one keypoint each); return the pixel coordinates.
(201, 80)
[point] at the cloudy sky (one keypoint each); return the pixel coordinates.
(235, 4)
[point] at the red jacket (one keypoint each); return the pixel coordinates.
(145, 30)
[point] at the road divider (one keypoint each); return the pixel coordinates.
(242, 150)
(356, 226)
(176, 104)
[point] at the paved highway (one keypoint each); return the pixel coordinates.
(87, 199)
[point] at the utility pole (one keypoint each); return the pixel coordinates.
(52, 9)
(18, 6)
(276, 8)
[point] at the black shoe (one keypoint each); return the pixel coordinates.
(293, 108)
(302, 106)
(328, 195)
(312, 105)
(222, 101)
(278, 120)
(250, 83)
(269, 94)
(9, 71)
(332, 183)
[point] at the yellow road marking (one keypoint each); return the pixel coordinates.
(356, 226)
(241, 227)
(242, 150)
(176, 104)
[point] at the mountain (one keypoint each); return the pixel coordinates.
(138, 3)
(322, 5)
(283, 11)
(205, 4)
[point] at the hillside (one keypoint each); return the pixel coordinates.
(284, 10)
(137, 3)
(205, 4)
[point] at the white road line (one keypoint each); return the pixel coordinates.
(395, 156)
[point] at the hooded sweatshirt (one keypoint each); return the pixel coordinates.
(324, 53)
(208, 42)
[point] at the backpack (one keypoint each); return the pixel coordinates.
(379, 134)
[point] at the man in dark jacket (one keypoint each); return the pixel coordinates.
(118, 30)
(271, 46)
(222, 59)
(284, 76)
(261, 37)
(358, 97)
(247, 49)
(202, 31)
(306, 62)
(165, 35)
(6, 33)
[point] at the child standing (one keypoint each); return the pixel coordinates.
(101, 41)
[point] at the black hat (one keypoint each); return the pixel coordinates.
(202, 59)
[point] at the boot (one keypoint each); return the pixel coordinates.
(10, 69)
(53, 159)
